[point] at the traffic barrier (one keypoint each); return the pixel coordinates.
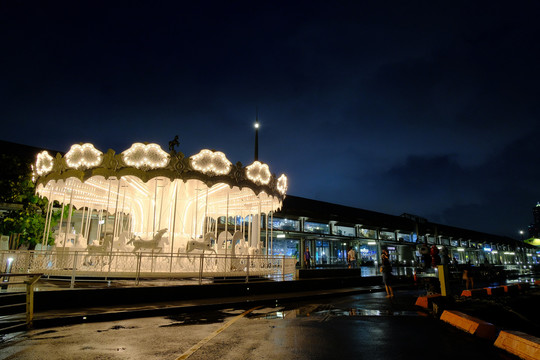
(524, 286)
(523, 345)
(426, 301)
(495, 290)
(474, 292)
(470, 324)
(511, 289)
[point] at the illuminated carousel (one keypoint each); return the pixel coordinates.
(146, 212)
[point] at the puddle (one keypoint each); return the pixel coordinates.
(197, 318)
(118, 327)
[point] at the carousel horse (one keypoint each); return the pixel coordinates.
(96, 252)
(205, 244)
(153, 244)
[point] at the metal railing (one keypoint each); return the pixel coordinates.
(85, 264)
(5, 281)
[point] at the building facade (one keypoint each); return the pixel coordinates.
(329, 230)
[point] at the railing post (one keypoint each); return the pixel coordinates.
(30, 300)
(247, 269)
(283, 268)
(138, 270)
(201, 262)
(73, 272)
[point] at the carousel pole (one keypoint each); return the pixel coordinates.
(196, 209)
(272, 232)
(69, 218)
(61, 214)
(173, 225)
(121, 220)
(114, 225)
(226, 229)
(161, 207)
(88, 221)
(258, 241)
(107, 212)
(48, 216)
(82, 217)
(155, 205)
(206, 211)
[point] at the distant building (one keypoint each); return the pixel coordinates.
(534, 228)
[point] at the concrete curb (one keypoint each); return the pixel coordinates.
(520, 344)
(470, 324)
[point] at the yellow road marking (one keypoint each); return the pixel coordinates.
(196, 347)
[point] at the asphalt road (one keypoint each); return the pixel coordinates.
(363, 326)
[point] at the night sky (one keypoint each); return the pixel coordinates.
(429, 108)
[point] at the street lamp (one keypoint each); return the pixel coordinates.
(521, 233)
(256, 125)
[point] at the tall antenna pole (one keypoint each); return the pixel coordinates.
(257, 135)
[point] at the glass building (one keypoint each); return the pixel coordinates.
(329, 230)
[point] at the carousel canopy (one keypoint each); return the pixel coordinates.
(85, 176)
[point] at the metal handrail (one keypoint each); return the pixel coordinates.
(33, 278)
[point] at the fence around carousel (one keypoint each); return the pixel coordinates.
(94, 264)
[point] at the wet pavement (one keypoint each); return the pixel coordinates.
(362, 326)
(318, 324)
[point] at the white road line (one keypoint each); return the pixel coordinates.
(196, 347)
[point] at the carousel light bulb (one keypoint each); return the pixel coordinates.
(258, 173)
(44, 163)
(208, 161)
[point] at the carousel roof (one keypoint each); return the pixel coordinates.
(148, 161)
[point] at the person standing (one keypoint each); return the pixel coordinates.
(386, 270)
(307, 258)
(351, 258)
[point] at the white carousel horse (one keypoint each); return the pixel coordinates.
(153, 244)
(120, 241)
(205, 244)
(97, 251)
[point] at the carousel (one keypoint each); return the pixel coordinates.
(146, 212)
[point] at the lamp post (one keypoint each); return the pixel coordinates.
(256, 125)
(521, 233)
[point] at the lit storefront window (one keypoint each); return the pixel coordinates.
(367, 233)
(317, 228)
(387, 235)
(406, 237)
(343, 230)
(286, 247)
(285, 224)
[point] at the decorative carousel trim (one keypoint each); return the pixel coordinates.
(83, 156)
(213, 162)
(259, 173)
(44, 163)
(149, 161)
(143, 156)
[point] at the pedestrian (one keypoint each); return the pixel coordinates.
(307, 258)
(351, 258)
(435, 257)
(468, 276)
(386, 270)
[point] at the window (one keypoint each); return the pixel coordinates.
(387, 235)
(344, 231)
(316, 228)
(368, 234)
(285, 224)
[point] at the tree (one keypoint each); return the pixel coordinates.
(16, 187)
